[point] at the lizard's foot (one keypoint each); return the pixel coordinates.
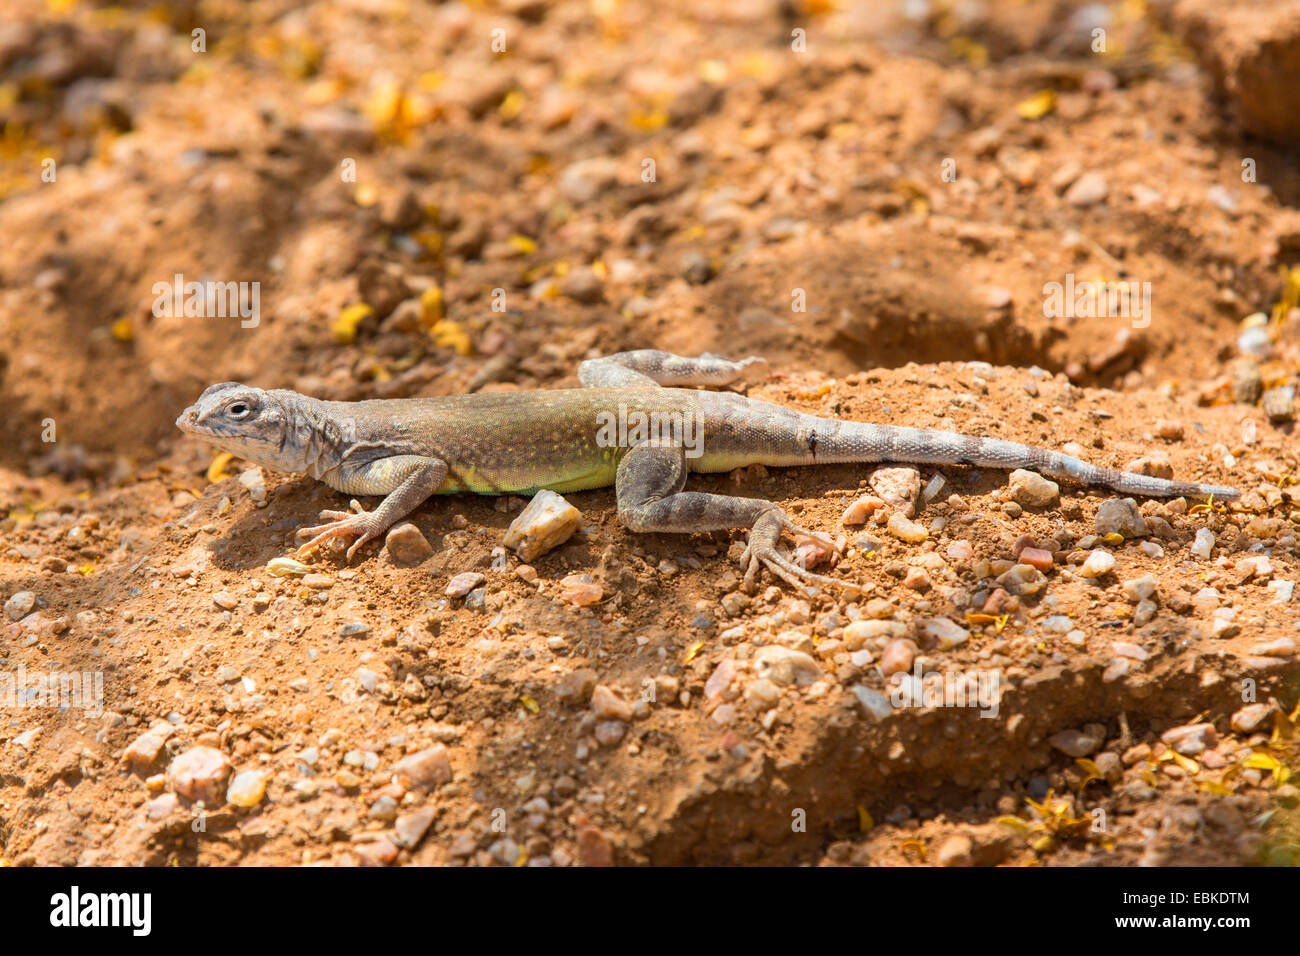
(341, 524)
(761, 553)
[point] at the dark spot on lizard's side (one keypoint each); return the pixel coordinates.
(812, 443)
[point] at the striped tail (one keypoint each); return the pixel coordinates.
(861, 442)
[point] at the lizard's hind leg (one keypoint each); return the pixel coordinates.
(649, 487)
(649, 367)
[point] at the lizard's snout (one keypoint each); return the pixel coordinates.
(188, 419)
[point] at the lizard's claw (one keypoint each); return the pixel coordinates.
(761, 553)
(340, 524)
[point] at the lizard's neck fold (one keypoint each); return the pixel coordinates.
(315, 441)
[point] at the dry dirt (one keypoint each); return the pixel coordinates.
(912, 180)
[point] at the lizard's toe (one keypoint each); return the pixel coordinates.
(345, 525)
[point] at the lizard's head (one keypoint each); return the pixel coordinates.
(249, 422)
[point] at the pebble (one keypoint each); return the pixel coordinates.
(961, 550)
(1088, 190)
(917, 579)
(861, 510)
(225, 600)
(956, 851)
(1169, 430)
(1251, 717)
(318, 581)
(762, 694)
(897, 657)
(1023, 580)
(906, 530)
(247, 788)
(610, 732)
(1036, 558)
(20, 605)
(1120, 516)
(580, 590)
(610, 705)
(407, 546)
(948, 633)
(1203, 544)
(1098, 564)
(1191, 739)
(859, 632)
(1076, 743)
(1282, 647)
(199, 774)
(1116, 669)
(583, 285)
(900, 487)
(254, 483)
(1282, 590)
(785, 667)
(873, 702)
(144, 749)
(1125, 649)
(409, 828)
(1145, 612)
(1139, 589)
(463, 583)
(426, 769)
(576, 687)
(1031, 490)
(583, 181)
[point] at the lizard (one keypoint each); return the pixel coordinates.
(492, 443)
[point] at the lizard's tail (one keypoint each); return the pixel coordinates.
(862, 442)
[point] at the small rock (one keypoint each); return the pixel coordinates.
(1191, 739)
(580, 590)
(426, 769)
(144, 749)
(1139, 589)
(576, 687)
(1088, 190)
(785, 667)
(1098, 564)
(1031, 490)
(225, 600)
(1251, 717)
(900, 487)
(1203, 544)
(20, 605)
(247, 788)
(409, 828)
(199, 774)
(946, 632)
(1075, 743)
(609, 705)
(956, 851)
(583, 181)
(1120, 515)
(463, 583)
(407, 546)
(906, 530)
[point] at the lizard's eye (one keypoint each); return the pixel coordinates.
(238, 410)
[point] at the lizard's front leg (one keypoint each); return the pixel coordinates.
(649, 487)
(405, 480)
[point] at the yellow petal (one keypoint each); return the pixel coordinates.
(1038, 105)
(345, 326)
(216, 470)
